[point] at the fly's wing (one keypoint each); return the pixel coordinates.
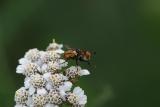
(67, 47)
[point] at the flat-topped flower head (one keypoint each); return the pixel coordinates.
(21, 96)
(77, 98)
(48, 83)
(37, 81)
(54, 97)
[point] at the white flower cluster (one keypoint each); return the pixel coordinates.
(48, 79)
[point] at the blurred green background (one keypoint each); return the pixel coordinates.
(124, 33)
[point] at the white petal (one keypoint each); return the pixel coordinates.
(44, 68)
(65, 77)
(46, 76)
(19, 105)
(83, 100)
(27, 82)
(56, 65)
(29, 102)
(61, 61)
(63, 94)
(59, 51)
(31, 90)
(66, 87)
(65, 64)
(20, 69)
(39, 62)
(49, 86)
(23, 61)
(41, 91)
(84, 72)
(78, 91)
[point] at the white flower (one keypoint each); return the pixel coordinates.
(32, 55)
(53, 67)
(47, 76)
(20, 69)
(44, 57)
(66, 86)
(37, 81)
(39, 100)
(21, 95)
(84, 72)
(62, 63)
(54, 97)
(73, 72)
(53, 56)
(63, 89)
(34, 82)
(28, 69)
(49, 56)
(55, 47)
(77, 98)
(57, 79)
(24, 61)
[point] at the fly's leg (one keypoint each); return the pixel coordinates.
(89, 63)
(77, 60)
(77, 63)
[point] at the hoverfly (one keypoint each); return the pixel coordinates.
(78, 55)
